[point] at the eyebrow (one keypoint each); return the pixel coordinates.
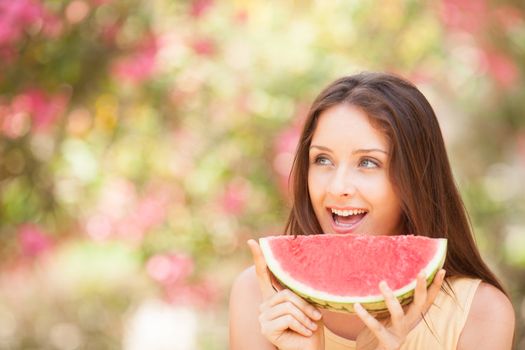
(361, 150)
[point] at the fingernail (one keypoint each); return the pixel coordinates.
(317, 314)
(313, 326)
(384, 285)
(358, 307)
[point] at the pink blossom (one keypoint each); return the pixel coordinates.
(170, 269)
(99, 227)
(501, 68)
(235, 197)
(201, 294)
(199, 7)
(203, 46)
(15, 16)
(109, 32)
(13, 125)
(123, 214)
(241, 16)
(76, 11)
(465, 15)
(151, 210)
(53, 27)
(146, 214)
(43, 108)
(100, 2)
(33, 240)
(140, 65)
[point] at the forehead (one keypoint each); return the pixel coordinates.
(347, 126)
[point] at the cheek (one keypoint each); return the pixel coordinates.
(315, 184)
(390, 205)
(384, 198)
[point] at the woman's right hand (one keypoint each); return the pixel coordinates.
(287, 320)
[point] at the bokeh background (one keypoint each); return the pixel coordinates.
(143, 142)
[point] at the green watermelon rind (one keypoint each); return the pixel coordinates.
(375, 304)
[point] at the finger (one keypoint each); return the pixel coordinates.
(288, 308)
(381, 333)
(287, 322)
(263, 276)
(394, 307)
(435, 287)
(423, 297)
(287, 295)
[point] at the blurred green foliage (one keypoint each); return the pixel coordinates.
(143, 142)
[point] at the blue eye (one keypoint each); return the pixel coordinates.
(322, 160)
(368, 163)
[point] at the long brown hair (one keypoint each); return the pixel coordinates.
(419, 167)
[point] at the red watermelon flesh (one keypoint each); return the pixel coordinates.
(348, 268)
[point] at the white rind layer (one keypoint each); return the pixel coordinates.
(345, 303)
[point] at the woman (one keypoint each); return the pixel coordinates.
(372, 147)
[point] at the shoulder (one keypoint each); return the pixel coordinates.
(245, 290)
(490, 322)
(245, 295)
(247, 279)
(245, 298)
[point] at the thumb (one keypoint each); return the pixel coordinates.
(261, 269)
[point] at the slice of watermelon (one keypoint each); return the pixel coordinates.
(335, 271)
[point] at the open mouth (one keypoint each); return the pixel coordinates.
(345, 220)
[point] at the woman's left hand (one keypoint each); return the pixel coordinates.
(392, 335)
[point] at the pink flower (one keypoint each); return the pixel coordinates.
(465, 15)
(203, 46)
(100, 2)
(201, 294)
(13, 125)
(44, 109)
(501, 68)
(109, 32)
(151, 210)
(145, 215)
(235, 196)
(140, 65)
(170, 269)
(122, 214)
(33, 240)
(241, 16)
(199, 7)
(76, 11)
(15, 16)
(53, 27)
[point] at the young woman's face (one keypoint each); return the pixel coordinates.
(348, 177)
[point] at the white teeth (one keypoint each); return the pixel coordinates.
(348, 212)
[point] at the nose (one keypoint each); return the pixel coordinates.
(342, 183)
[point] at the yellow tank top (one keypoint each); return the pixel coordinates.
(444, 321)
